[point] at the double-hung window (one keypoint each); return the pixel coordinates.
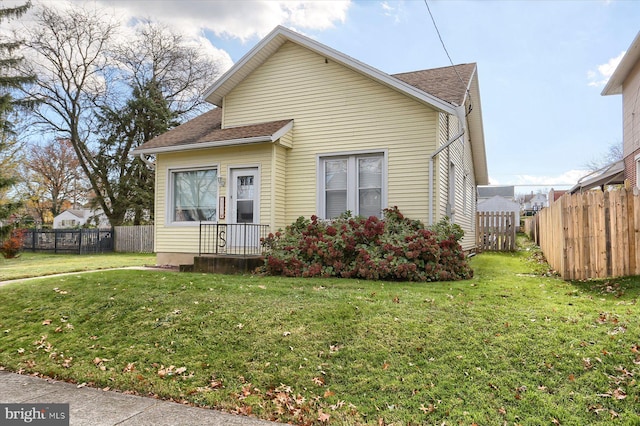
(194, 195)
(352, 183)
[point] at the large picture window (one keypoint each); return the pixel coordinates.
(195, 195)
(353, 183)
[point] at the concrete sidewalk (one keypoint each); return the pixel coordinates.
(94, 407)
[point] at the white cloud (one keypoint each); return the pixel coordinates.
(240, 20)
(393, 12)
(528, 183)
(602, 73)
(234, 19)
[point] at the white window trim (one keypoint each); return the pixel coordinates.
(170, 195)
(320, 177)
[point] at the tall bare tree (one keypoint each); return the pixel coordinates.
(84, 77)
(614, 153)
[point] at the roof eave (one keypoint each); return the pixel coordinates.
(214, 144)
(476, 131)
(614, 85)
(279, 36)
(203, 145)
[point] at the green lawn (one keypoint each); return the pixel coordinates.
(508, 347)
(40, 264)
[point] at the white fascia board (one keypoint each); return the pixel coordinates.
(243, 61)
(283, 131)
(204, 145)
(336, 56)
(629, 60)
(229, 142)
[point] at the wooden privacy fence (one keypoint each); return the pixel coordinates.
(134, 239)
(496, 231)
(592, 235)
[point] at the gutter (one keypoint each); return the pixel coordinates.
(145, 160)
(460, 113)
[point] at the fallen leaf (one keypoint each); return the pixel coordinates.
(385, 366)
(129, 368)
(328, 393)
(46, 322)
(323, 417)
(571, 378)
(396, 299)
(429, 409)
(318, 381)
(619, 394)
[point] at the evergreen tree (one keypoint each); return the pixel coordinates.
(10, 80)
(145, 116)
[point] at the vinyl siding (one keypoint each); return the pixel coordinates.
(184, 238)
(631, 116)
(337, 110)
(459, 153)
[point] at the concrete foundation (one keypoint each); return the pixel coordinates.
(227, 264)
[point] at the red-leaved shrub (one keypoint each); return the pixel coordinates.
(12, 246)
(393, 248)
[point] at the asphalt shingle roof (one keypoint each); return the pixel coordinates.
(442, 83)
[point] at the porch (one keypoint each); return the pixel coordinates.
(230, 248)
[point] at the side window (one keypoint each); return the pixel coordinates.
(353, 183)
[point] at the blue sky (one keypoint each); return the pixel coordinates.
(541, 64)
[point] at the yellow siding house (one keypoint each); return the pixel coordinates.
(300, 129)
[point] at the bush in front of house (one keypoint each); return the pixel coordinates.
(393, 248)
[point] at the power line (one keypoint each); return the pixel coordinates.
(445, 49)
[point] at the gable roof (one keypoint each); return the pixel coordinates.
(280, 35)
(205, 131)
(497, 203)
(443, 83)
(438, 88)
(629, 60)
(490, 191)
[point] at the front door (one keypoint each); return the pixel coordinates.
(244, 192)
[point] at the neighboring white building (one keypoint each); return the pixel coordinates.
(533, 203)
(500, 204)
(76, 218)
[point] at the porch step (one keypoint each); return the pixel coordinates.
(227, 264)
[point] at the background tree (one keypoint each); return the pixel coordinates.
(145, 116)
(52, 179)
(85, 75)
(10, 81)
(614, 153)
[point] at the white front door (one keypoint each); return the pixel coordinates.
(244, 193)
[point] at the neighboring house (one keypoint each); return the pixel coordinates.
(500, 204)
(76, 218)
(533, 203)
(486, 192)
(301, 129)
(555, 194)
(625, 80)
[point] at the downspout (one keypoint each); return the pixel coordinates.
(460, 113)
(146, 161)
